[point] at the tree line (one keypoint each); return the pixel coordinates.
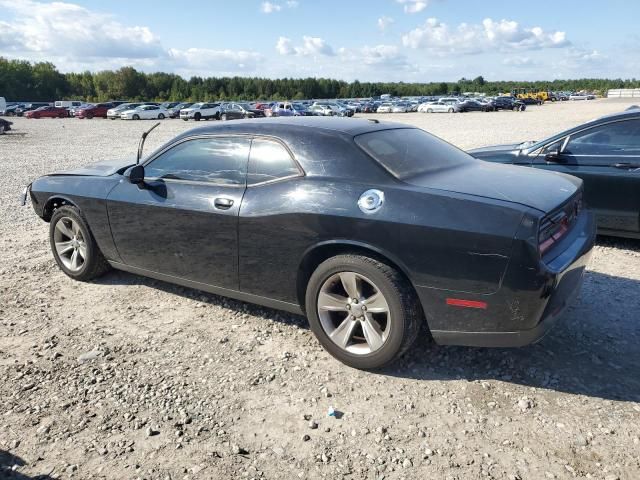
(41, 81)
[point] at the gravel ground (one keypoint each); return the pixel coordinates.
(132, 378)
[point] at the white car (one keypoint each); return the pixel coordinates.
(114, 113)
(201, 111)
(145, 112)
(400, 108)
(582, 96)
(385, 108)
(438, 107)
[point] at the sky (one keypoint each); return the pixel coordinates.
(366, 40)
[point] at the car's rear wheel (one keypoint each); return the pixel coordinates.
(73, 245)
(362, 311)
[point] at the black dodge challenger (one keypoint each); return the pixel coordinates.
(369, 228)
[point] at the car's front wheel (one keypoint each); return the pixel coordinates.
(161, 116)
(136, 117)
(363, 311)
(73, 245)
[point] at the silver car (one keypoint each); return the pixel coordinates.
(439, 107)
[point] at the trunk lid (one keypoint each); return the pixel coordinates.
(541, 190)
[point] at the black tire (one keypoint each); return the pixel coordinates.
(95, 264)
(89, 116)
(136, 117)
(429, 110)
(405, 311)
(197, 117)
(161, 116)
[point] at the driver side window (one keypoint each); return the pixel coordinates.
(618, 138)
(220, 161)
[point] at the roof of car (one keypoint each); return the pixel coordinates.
(348, 126)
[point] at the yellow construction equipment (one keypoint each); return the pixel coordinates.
(532, 93)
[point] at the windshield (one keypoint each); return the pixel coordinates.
(409, 152)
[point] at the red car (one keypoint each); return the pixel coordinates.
(97, 110)
(47, 112)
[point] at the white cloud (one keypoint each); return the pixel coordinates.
(519, 62)
(76, 38)
(268, 7)
(283, 46)
(384, 22)
(382, 55)
(413, 6)
(67, 29)
(491, 35)
(310, 46)
(205, 60)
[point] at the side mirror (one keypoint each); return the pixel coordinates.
(136, 175)
(553, 156)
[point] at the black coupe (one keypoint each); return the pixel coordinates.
(369, 228)
(604, 153)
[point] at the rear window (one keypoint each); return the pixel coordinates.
(409, 152)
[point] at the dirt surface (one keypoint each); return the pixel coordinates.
(128, 377)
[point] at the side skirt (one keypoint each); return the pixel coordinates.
(223, 292)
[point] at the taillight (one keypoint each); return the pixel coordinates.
(554, 226)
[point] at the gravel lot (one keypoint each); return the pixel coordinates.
(133, 378)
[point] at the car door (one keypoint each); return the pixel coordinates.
(183, 222)
(607, 158)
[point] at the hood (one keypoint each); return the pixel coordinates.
(102, 168)
(542, 190)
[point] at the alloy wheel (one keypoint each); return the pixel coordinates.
(70, 244)
(354, 313)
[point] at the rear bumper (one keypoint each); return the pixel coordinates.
(542, 308)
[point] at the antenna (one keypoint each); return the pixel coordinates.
(141, 144)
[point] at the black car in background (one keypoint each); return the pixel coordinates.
(474, 106)
(604, 153)
(234, 111)
(508, 103)
(174, 112)
(340, 219)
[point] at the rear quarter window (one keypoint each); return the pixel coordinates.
(269, 161)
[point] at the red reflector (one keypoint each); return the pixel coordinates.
(458, 302)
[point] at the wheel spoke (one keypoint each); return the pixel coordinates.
(342, 334)
(64, 247)
(82, 250)
(64, 230)
(332, 302)
(376, 304)
(350, 283)
(74, 260)
(75, 228)
(372, 332)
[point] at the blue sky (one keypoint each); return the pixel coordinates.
(368, 40)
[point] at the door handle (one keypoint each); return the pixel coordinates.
(223, 203)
